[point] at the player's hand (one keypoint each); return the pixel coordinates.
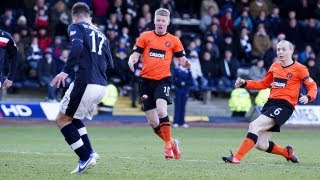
(187, 65)
(60, 78)
(239, 82)
(6, 84)
(131, 63)
(303, 99)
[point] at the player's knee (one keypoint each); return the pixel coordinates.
(162, 113)
(153, 124)
(262, 146)
(253, 128)
(62, 120)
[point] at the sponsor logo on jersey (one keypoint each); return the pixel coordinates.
(157, 53)
(73, 33)
(279, 82)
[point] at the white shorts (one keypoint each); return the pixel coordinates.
(80, 100)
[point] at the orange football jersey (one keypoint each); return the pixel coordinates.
(285, 82)
(157, 52)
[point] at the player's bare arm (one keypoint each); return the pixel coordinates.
(184, 62)
(133, 59)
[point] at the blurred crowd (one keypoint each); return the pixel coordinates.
(225, 37)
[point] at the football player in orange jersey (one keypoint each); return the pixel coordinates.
(285, 77)
(157, 49)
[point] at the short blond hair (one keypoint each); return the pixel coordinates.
(162, 12)
(289, 43)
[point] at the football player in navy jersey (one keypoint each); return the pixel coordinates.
(8, 50)
(89, 57)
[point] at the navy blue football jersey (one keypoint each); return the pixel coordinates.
(92, 62)
(8, 50)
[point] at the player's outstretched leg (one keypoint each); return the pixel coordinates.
(286, 152)
(85, 138)
(247, 144)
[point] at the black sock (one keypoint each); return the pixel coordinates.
(72, 137)
(83, 133)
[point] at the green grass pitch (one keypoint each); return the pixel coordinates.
(40, 152)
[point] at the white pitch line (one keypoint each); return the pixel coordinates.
(36, 153)
(142, 158)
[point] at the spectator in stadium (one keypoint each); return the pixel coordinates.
(21, 62)
(199, 81)
(212, 48)
(157, 48)
(305, 55)
(244, 46)
(44, 40)
(238, 22)
(40, 14)
(206, 4)
(315, 75)
(57, 46)
(135, 82)
(228, 45)
(228, 67)
(226, 22)
(209, 67)
(46, 72)
(270, 54)
(261, 42)
(182, 80)
(60, 63)
(214, 32)
(34, 55)
(242, 5)
(275, 22)
(121, 66)
(7, 49)
(257, 70)
(262, 19)
(305, 10)
(280, 105)
(311, 34)
(293, 33)
(206, 19)
(257, 6)
(89, 85)
(60, 18)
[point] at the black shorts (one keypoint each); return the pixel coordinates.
(155, 89)
(279, 110)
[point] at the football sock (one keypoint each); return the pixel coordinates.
(276, 149)
(166, 131)
(83, 133)
(158, 132)
(72, 137)
(247, 144)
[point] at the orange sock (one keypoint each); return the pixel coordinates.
(276, 149)
(247, 144)
(158, 132)
(166, 131)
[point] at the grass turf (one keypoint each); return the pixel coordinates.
(136, 153)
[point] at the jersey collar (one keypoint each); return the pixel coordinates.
(154, 31)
